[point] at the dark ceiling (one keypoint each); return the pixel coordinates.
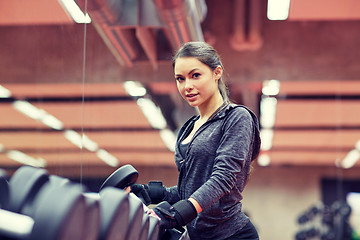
(75, 72)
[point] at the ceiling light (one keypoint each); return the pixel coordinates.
(353, 198)
(25, 159)
(81, 141)
(278, 9)
(271, 87)
(268, 112)
(134, 89)
(266, 136)
(74, 138)
(264, 160)
(28, 109)
(4, 92)
(169, 139)
(89, 144)
(41, 115)
(350, 159)
(152, 113)
(357, 145)
(107, 158)
(52, 122)
(75, 12)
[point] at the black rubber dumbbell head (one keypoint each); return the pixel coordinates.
(24, 185)
(123, 177)
(4, 189)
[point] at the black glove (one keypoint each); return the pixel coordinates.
(177, 215)
(151, 193)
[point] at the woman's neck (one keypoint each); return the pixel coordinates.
(208, 108)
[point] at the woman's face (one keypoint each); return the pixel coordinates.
(196, 82)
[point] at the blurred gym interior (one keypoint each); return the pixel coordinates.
(82, 95)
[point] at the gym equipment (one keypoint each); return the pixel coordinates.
(115, 212)
(325, 222)
(59, 213)
(144, 231)
(4, 189)
(24, 185)
(66, 213)
(135, 218)
(136, 226)
(123, 177)
(53, 179)
(50, 207)
(126, 176)
(154, 229)
(92, 226)
(40, 206)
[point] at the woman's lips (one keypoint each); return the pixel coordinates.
(191, 97)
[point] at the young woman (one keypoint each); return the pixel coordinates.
(213, 154)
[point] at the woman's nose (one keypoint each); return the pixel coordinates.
(188, 85)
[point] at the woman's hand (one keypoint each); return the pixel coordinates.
(152, 213)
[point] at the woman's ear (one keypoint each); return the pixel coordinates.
(218, 72)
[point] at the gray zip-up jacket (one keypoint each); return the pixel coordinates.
(215, 170)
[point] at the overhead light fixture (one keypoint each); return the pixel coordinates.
(152, 113)
(357, 145)
(75, 12)
(350, 159)
(74, 138)
(134, 88)
(107, 158)
(25, 159)
(268, 111)
(278, 9)
(271, 87)
(4, 92)
(81, 140)
(268, 104)
(89, 144)
(266, 136)
(169, 138)
(28, 109)
(263, 160)
(38, 114)
(52, 122)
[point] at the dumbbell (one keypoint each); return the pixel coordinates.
(26, 196)
(139, 222)
(4, 189)
(24, 186)
(126, 176)
(92, 226)
(106, 216)
(58, 214)
(121, 178)
(121, 216)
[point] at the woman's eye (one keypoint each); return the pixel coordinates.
(196, 75)
(179, 79)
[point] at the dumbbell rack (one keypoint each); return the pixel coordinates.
(35, 205)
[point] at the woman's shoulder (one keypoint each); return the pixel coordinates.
(240, 111)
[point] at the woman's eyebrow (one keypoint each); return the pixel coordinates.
(195, 69)
(190, 72)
